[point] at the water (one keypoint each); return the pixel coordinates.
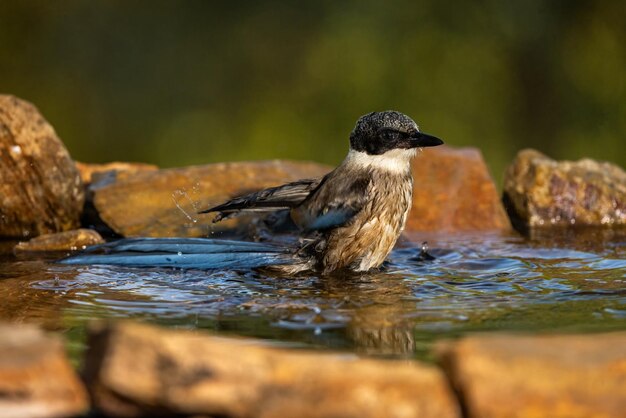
(555, 283)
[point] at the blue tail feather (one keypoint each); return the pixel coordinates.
(196, 253)
(185, 245)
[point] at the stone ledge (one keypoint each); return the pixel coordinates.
(553, 376)
(139, 370)
(36, 379)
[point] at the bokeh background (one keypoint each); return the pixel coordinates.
(189, 82)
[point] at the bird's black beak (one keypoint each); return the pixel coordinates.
(420, 139)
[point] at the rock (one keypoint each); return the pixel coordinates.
(137, 370)
(41, 191)
(104, 173)
(89, 171)
(165, 202)
(77, 239)
(6, 247)
(454, 192)
(541, 192)
(539, 376)
(36, 379)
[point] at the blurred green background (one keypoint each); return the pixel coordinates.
(189, 82)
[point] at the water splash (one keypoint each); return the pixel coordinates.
(179, 194)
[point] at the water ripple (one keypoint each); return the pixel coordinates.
(474, 283)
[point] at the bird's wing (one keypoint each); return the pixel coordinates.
(335, 202)
(281, 197)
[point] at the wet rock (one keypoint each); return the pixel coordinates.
(90, 172)
(36, 379)
(454, 192)
(539, 376)
(540, 192)
(40, 189)
(77, 239)
(165, 202)
(136, 370)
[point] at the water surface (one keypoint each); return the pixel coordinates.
(571, 282)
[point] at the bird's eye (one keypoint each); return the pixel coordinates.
(390, 135)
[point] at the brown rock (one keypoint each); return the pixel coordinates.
(89, 171)
(40, 189)
(6, 247)
(77, 239)
(454, 192)
(104, 173)
(165, 202)
(540, 192)
(136, 370)
(36, 379)
(539, 376)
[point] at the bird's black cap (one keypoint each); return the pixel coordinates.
(379, 132)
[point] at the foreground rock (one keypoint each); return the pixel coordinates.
(40, 189)
(135, 370)
(36, 379)
(77, 239)
(541, 376)
(165, 202)
(540, 192)
(453, 192)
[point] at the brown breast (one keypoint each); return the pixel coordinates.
(365, 242)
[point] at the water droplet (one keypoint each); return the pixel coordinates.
(183, 193)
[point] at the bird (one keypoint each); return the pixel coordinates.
(348, 220)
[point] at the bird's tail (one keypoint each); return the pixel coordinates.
(186, 253)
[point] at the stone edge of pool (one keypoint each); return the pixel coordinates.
(132, 369)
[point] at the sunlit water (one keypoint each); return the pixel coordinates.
(476, 283)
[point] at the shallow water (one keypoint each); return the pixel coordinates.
(555, 283)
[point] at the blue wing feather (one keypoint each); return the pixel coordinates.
(331, 219)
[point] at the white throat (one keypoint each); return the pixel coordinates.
(394, 161)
